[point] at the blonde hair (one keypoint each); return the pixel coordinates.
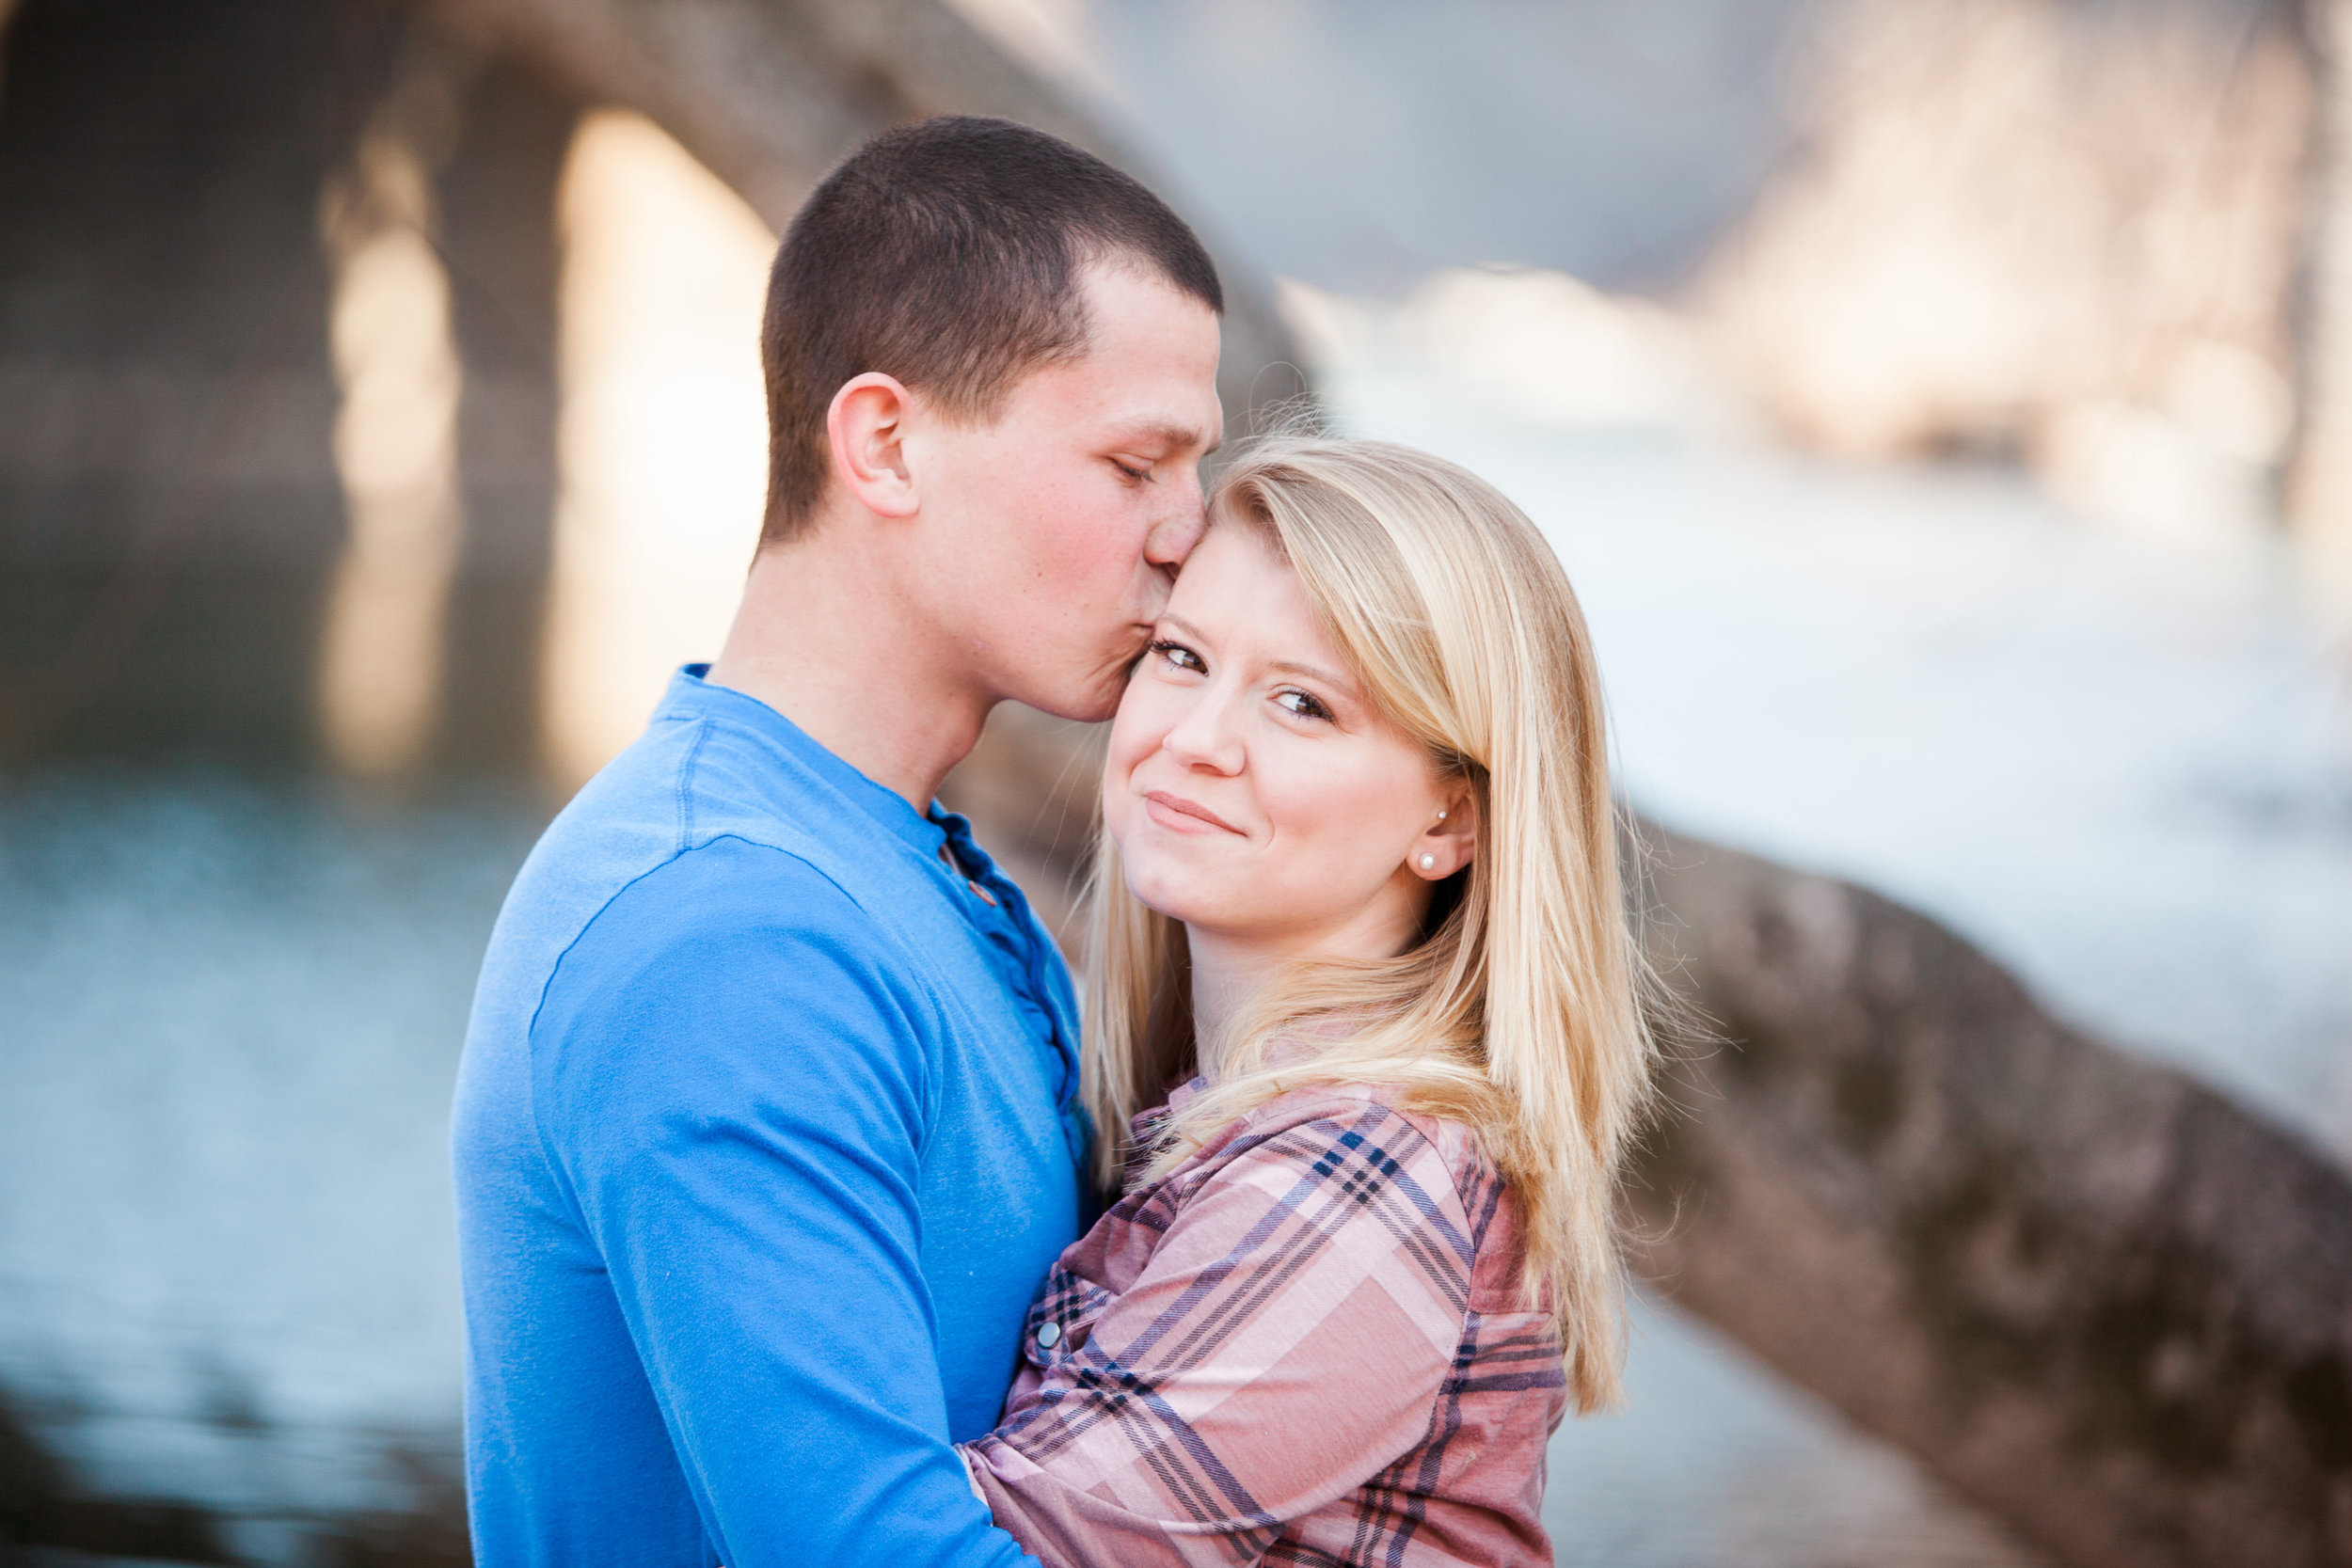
(1521, 1012)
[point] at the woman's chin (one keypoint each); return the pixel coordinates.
(1168, 890)
(1157, 899)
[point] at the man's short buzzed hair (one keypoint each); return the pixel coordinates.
(946, 253)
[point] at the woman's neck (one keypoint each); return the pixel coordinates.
(1225, 975)
(1229, 970)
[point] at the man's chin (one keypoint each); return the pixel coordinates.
(1091, 708)
(1087, 700)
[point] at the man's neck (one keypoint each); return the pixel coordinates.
(823, 638)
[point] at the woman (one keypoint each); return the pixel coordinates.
(1358, 893)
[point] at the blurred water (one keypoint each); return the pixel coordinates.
(1716, 1464)
(232, 1008)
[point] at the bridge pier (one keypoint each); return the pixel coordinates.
(171, 512)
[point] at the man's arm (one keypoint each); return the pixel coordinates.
(732, 1085)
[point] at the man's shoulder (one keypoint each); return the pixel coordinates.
(715, 896)
(729, 947)
(687, 810)
(679, 854)
(686, 781)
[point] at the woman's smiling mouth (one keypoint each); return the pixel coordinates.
(1185, 816)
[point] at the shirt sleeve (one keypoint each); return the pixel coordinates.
(734, 1088)
(1286, 1343)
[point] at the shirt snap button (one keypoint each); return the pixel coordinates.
(1048, 1334)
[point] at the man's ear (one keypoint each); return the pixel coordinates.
(1451, 841)
(867, 427)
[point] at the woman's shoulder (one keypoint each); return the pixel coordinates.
(1361, 1108)
(1421, 1178)
(1388, 1107)
(1331, 1123)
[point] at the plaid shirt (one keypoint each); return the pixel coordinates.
(1303, 1345)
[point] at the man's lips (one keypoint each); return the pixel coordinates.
(1177, 805)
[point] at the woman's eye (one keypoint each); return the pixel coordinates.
(1304, 705)
(1179, 656)
(1132, 474)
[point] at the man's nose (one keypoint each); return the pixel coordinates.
(1173, 537)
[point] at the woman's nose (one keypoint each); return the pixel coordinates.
(1205, 736)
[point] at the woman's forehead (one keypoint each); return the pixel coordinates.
(1233, 584)
(1238, 595)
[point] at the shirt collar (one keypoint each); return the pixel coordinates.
(691, 695)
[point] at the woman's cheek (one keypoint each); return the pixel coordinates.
(1126, 751)
(1141, 720)
(1337, 814)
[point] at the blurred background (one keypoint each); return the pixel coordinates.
(1943, 406)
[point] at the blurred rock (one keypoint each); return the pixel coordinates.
(1535, 345)
(39, 1504)
(2089, 1292)
(1997, 209)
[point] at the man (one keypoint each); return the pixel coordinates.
(766, 1131)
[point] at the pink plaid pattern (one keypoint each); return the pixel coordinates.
(1304, 1345)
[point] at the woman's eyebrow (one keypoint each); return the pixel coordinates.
(1288, 667)
(1315, 672)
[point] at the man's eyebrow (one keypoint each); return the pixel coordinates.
(1175, 435)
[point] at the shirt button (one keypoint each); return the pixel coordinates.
(1048, 1334)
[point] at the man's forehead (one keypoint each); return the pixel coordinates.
(1136, 318)
(1142, 376)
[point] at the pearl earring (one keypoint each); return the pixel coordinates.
(1429, 862)
(1441, 815)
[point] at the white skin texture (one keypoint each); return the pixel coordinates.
(952, 565)
(1257, 795)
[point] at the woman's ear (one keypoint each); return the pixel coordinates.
(867, 427)
(1451, 841)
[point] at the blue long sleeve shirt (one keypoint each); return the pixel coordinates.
(765, 1132)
